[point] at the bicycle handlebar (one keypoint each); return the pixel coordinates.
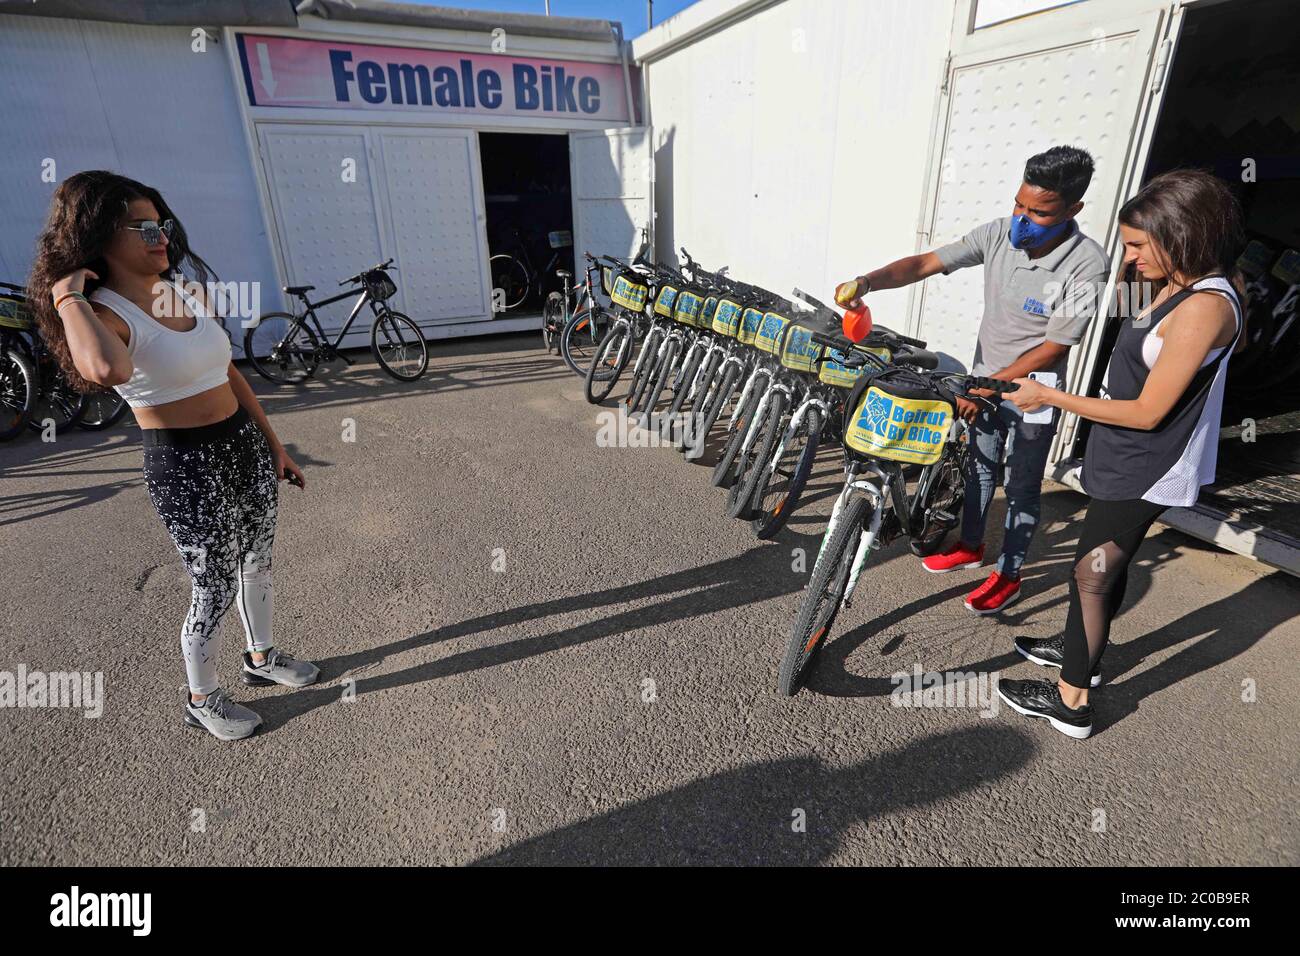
(357, 278)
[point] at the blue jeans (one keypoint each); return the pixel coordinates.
(1026, 447)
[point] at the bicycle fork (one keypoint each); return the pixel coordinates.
(869, 535)
(795, 421)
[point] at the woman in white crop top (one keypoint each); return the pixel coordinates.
(212, 462)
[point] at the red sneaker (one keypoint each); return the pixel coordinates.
(994, 594)
(957, 558)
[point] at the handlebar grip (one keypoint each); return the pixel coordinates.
(993, 384)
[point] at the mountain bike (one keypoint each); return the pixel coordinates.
(896, 415)
(285, 349)
(634, 331)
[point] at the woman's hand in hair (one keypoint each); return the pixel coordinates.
(74, 281)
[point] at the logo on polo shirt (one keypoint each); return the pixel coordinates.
(1034, 306)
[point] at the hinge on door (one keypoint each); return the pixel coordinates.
(947, 65)
(1162, 65)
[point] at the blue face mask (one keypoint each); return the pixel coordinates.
(1027, 234)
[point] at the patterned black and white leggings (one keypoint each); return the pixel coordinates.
(215, 489)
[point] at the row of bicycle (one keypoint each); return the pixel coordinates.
(34, 393)
(772, 379)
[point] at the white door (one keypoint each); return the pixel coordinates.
(324, 194)
(433, 196)
(1064, 78)
(610, 174)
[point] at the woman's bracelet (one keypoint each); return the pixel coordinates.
(58, 303)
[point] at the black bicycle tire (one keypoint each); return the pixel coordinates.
(552, 309)
(767, 524)
(571, 328)
(649, 364)
(809, 633)
(27, 369)
(750, 470)
(722, 476)
(714, 402)
(99, 425)
(398, 318)
(251, 355)
(617, 332)
(688, 373)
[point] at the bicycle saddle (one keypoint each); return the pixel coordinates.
(298, 289)
(564, 274)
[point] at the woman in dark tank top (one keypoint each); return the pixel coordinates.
(1155, 428)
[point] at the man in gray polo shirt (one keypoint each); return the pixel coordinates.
(1042, 282)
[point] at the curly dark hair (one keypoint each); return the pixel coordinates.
(86, 211)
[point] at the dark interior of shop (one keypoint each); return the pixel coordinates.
(529, 214)
(1233, 107)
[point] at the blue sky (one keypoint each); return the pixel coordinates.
(632, 13)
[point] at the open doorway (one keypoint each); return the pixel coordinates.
(1233, 108)
(529, 216)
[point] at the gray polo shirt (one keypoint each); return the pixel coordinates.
(1029, 301)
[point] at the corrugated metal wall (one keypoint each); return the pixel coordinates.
(807, 122)
(139, 101)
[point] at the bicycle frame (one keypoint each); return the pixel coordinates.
(362, 300)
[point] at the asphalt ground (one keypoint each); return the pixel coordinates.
(535, 649)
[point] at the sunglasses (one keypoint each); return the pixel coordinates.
(152, 232)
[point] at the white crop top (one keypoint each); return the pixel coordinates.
(169, 365)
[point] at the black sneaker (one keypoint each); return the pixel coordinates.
(1050, 652)
(1038, 698)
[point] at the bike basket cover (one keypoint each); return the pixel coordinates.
(771, 333)
(834, 372)
(665, 301)
(800, 353)
(630, 291)
(898, 415)
(687, 309)
(606, 280)
(749, 323)
(1287, 267)
(705, 321)
(726, 321)
(379, 285)
(14, 313)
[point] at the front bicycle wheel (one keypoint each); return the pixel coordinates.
(18, 391)
(57, 402)
(822, 597)
(777, 494)
(723, 473)
(511, 278)
(751, 468)
(607, 366)
(647, 367)
(282, 349)
(103, 410)
(553, 322)
(702, 421)
(581, 337)
(399, 346)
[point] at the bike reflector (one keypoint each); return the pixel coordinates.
(630, 292)
(749, 324)
(665, 301)
(800, 353)
(897, 415)
(687, 309)
(726, 321)
(771, 333)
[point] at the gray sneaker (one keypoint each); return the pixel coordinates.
(279, 668)
(221, 716)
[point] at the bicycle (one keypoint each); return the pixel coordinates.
(284, 349)
(578, 318)
(33, 389)
(630, 287)
(515, 275)
(886, 430)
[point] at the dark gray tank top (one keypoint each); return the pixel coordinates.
(1121, 463)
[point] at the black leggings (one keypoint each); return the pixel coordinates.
(215, 489)
(1112, 532)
